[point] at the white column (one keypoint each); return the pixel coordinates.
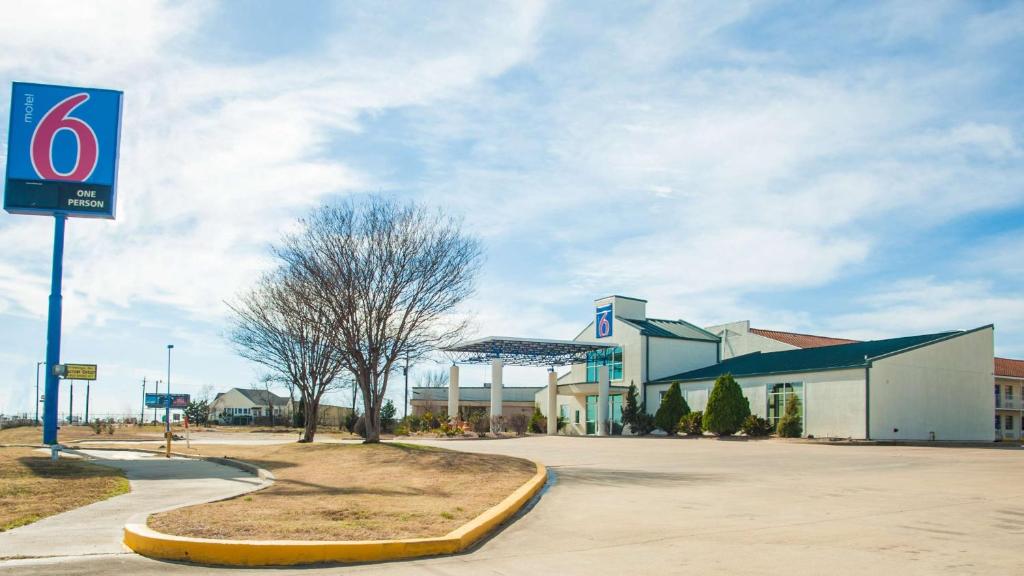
(552, 403)
(496, 385)
(602, 400)
(453, 393)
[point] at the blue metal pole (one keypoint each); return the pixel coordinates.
(53, 333)
(168, 412)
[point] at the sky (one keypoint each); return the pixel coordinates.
(850, 169)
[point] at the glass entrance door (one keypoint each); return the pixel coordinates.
(591, 414)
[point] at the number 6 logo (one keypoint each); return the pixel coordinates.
(55, 120)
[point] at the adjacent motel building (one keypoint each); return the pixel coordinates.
(920, 387)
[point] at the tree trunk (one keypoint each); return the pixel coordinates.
(371, 417)
(309, 432)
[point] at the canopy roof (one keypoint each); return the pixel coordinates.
(524, 351)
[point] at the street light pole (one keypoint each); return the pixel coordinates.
(156, 389)
(38, 364)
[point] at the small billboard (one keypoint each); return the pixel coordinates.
(160, 400)
(62, 150)
(79, 371)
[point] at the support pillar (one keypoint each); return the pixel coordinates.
(453, 393)
(552, 403)
(496, 389)
(602, 400)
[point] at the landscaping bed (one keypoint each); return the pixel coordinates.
(352, 492)
(33, 487)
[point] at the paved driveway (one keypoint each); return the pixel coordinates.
(156, 484)
(658, 506)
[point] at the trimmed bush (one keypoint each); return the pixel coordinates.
(644, 424)
(631, 409)
(673, 407)
(538, 423)
(519, 423)
(756, 426)
(387, 416)
(791, 425)
(691, 424)
(727, 408)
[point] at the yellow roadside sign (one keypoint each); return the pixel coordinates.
(80, 372)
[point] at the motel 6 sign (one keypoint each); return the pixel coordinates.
(62, 150)
(603, 321)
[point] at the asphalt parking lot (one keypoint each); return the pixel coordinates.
(666, 506)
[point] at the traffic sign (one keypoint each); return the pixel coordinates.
(62, 150)
(79, 371)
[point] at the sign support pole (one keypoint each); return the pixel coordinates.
(53, 333)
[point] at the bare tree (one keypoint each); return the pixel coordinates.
(276, 326)
(266, 384)
(433, 379)
(390, 275)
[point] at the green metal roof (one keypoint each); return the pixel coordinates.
(809, 359)
(660, 328)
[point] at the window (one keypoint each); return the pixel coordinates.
(778, 395)
(577, 416)
(999, 398)
(611, 356)
(563, 412)
(1009, 422)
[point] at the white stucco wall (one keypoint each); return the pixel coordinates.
(833, 399)
(945, 388)
(670, 356)
(737, 340)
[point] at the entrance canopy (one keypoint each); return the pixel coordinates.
(524, 351)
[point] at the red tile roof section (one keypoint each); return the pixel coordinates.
(1009, 367)
(801, 340)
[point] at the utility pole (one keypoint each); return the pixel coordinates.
(156, 389)
(71, 403)
(405, 372)
(38, 364)
(87, 382)
(142, 410)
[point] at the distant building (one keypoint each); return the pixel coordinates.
(241, 406)
(1009, 387)
(515, 399)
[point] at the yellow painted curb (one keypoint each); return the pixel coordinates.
(148, 542)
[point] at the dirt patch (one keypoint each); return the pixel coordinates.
(352, 492)
(34, 487)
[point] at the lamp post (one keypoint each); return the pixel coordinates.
(167, 412)
(38, 364)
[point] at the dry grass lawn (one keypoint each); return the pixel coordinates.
(33, 487)
(34, 435)
(352, 492)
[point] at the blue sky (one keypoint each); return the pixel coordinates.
(849, 169)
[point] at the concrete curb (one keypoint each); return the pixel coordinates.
(153, 544)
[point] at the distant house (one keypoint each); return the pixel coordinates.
(242, 406)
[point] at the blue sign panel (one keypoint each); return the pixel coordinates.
(160, 400)
(62, 150)
(603, 321)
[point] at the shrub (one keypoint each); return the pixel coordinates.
(450, 430)
(402, 429)
(791, 425)
(387, 416)
(673, 407)
(497, 424)
(727, 408)
(692, 423)
(756, 426)
(631, 410)
(413, 422)
(97, 426)
(562, 423)
(519, 423)
(350, 421)
(538, 422)
(644, 424)
(359, 428)
(430, 421)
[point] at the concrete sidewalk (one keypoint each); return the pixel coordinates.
(156, 484)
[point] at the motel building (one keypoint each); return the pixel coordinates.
(920, 387)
